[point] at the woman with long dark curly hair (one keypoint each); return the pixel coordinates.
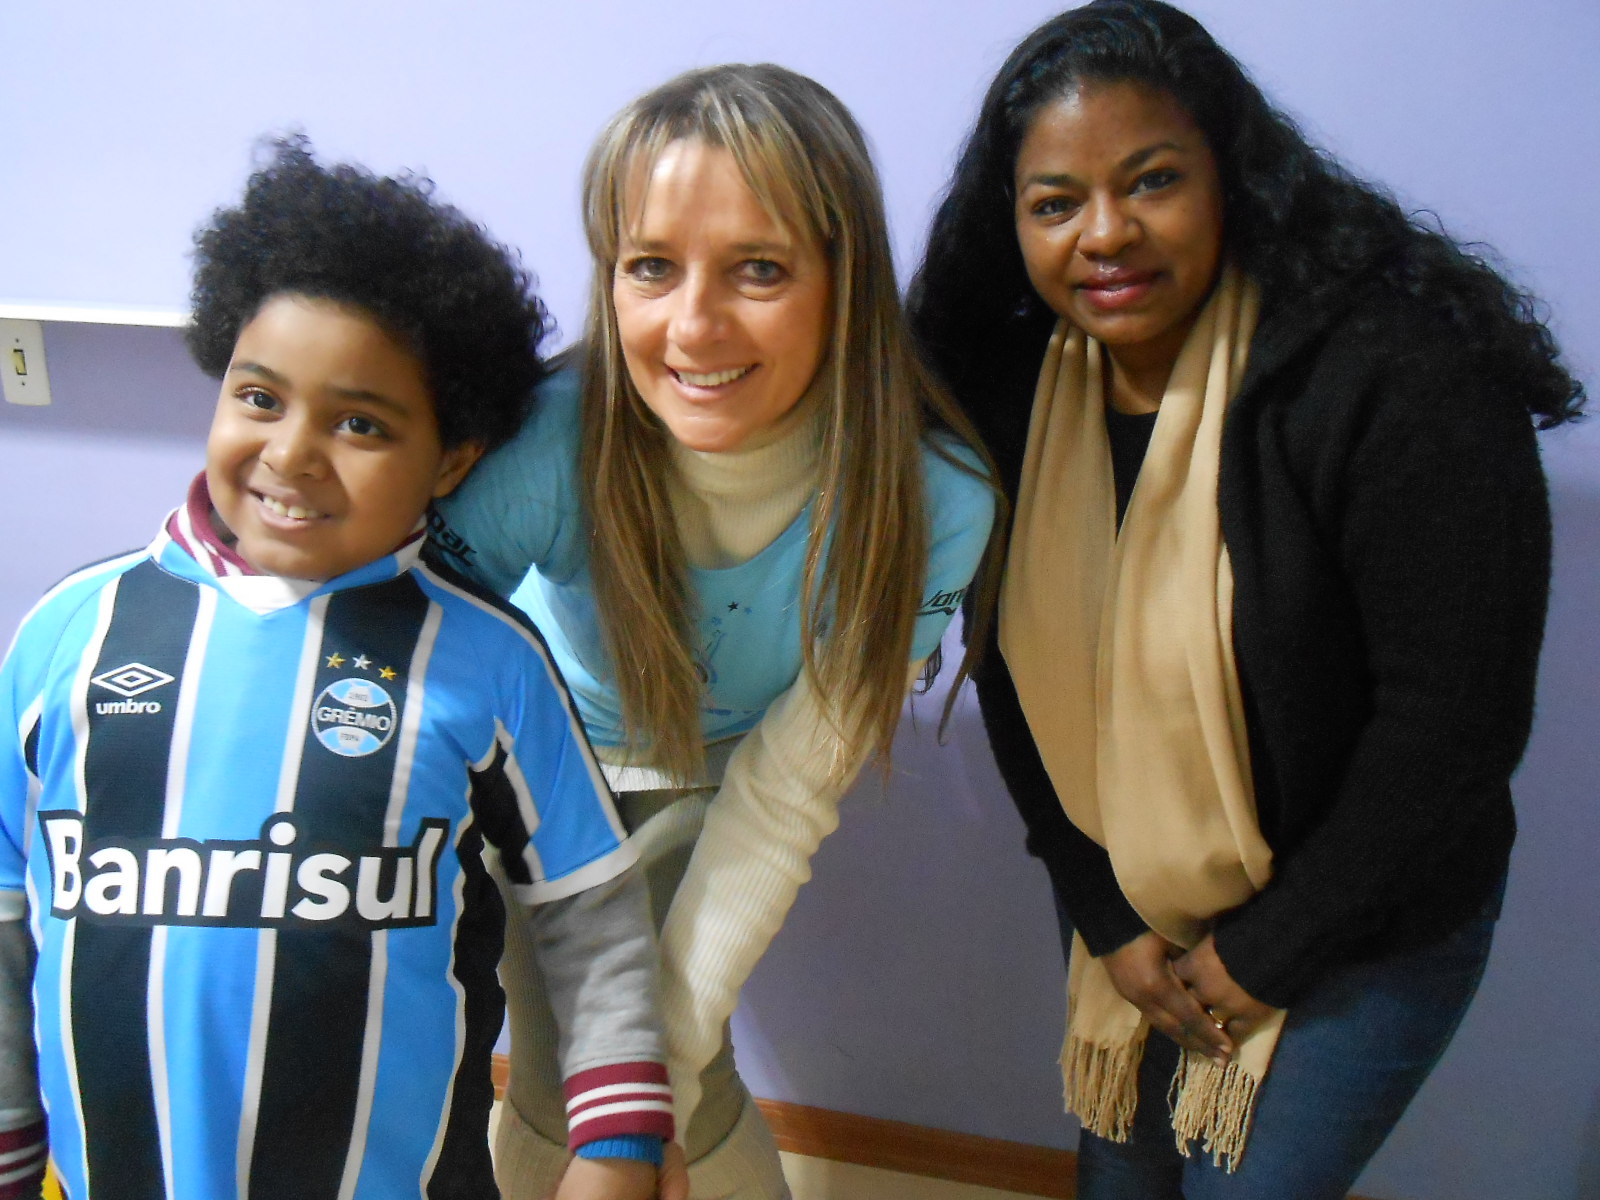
(1273, 601)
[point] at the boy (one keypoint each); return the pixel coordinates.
(249, 776)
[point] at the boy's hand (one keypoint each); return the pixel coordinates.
(674, 1183)
(607, 1179)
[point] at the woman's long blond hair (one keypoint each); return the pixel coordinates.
(805, 158)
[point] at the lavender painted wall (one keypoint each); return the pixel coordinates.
(918, 976)
(93, 474)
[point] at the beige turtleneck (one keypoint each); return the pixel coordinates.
(733, 504)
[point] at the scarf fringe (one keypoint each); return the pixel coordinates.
(1213, 1105)
(1101, 1085)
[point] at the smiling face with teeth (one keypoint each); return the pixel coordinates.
(324, 450)
(722, 310)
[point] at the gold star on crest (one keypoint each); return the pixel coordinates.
(387, 673)
(336, 660)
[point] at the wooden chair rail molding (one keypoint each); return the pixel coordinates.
(910, 1149)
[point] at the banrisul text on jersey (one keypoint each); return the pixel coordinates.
(267, 882)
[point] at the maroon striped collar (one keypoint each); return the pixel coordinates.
(193, 526)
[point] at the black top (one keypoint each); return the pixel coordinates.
(1129, 435)
(1388, 527)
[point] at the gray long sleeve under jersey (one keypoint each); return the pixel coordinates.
(19, 1063)
(597, 953)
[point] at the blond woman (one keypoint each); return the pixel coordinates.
(750, 517)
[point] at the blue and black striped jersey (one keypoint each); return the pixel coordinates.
(248, 819)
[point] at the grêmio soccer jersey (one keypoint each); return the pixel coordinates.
(247, 819)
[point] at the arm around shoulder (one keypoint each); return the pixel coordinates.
(518, 508)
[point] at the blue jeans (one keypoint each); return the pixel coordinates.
(1353, 1052)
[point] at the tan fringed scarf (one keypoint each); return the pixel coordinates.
(1121, 648)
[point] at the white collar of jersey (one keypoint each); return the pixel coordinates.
(263, 594)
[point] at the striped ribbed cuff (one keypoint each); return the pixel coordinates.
(23, 1155)
(619, 1100)
(638, 1147)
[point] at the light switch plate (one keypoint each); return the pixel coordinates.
(22, 368)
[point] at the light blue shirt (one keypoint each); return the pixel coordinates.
(521, 508)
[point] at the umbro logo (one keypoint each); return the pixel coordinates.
(132, 679)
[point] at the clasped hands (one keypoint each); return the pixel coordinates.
(1187, 995)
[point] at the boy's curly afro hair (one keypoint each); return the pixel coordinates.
(463, 303)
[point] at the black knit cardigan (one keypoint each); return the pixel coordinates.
(1388, 525)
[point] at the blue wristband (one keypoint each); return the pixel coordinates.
(641, 1147)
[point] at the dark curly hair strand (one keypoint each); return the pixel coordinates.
(422, 270)
(1296, 220)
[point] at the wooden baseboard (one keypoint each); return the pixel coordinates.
(500, 1072)
(910, 1149)
(897, 1146)
(918, 1150)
